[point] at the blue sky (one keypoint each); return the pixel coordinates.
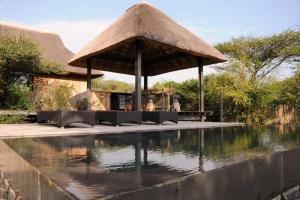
(77, 22)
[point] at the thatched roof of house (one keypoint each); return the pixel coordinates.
(52, 47)
(167, 46)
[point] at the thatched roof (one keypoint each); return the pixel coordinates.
(167, 46)
(52, 47)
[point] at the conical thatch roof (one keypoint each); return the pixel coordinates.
(167, 46)
(52, 47)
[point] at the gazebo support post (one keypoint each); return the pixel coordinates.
(138, 73)
(145, 82)
(201, 88)
(89, 80)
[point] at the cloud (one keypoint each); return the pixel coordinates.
(75, 34)
(214, 35)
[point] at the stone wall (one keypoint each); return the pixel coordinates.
(99, 100)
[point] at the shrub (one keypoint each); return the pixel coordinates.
(57, 98)
(20, 61)
(19, 97)
(62, 96)
(11, 119)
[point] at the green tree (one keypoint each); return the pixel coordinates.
(20, 61)
(260, 56)
(19, 97)
(187, 90)
(166, 84)
(290, 90)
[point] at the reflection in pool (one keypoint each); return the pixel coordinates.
(96, 166)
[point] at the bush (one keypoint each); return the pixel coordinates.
(19, 97)
(57, 98)
(62, 96)
(112, 85)
(11, 119)
(20, 61)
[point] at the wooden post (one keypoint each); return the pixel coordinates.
(89, 73)
(145, 82)
(138, 72)
(201, 88)
(89, 80)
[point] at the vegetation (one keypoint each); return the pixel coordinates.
(11, 119)
(187, 90)
(20, 61)
(19, 97)
(247, 80)
(112, 85)
(258, 57)
(57, 98)
(290, 90)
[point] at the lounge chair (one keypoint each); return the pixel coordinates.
(118, 117)
(160, 117)
(64, 118)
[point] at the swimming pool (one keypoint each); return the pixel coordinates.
(99, 166)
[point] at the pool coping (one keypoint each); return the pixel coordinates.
(45, 130)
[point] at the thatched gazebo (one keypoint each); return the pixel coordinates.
(146, 42)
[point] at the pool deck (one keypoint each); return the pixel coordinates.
(46, 130)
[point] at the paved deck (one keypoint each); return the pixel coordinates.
(43, 130)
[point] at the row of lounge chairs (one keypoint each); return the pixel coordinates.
(64, 118)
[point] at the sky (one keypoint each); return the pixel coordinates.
(78, 22)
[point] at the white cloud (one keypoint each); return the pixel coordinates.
(75, 35)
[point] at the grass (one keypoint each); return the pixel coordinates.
(11, 119)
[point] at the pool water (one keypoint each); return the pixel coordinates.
(98, 166)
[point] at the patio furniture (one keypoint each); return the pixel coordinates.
(118, 117)
(63, 118)
(160, 117)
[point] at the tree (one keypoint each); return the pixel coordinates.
(290, 92)
(166, 84)
(187, 90)
(260, 56)
(20, 61)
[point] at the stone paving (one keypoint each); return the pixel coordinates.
(43, 130)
